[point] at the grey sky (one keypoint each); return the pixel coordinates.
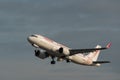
(76, 23)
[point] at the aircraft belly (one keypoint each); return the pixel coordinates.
(80, 59)
(77, 59)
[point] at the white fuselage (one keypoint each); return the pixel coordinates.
(52, 48)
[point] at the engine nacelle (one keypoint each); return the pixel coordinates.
(64, 51)
(41, 55)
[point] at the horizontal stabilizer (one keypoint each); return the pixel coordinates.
(101, 62)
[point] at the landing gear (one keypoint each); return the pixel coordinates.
(67, 60)
(53, 61)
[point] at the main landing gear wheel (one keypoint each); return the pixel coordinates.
(53, 61)
(67, 60)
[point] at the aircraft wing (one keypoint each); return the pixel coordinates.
(101, 62)
(77, 51)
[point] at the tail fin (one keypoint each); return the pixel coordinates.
(94, 55)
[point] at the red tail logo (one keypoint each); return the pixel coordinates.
(108, 45)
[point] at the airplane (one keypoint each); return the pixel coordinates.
(46, 47)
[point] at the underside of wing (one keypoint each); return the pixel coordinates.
(76, 51)
(101, 62)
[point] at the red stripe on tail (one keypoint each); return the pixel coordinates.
(108, 45)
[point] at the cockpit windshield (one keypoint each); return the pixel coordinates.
(34, 36)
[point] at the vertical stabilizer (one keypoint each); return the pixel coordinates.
(94, 55)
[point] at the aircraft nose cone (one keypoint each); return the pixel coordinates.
(29, 38)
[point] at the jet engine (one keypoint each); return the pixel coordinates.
(41, 55)
(64, 51)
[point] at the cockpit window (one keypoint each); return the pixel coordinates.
(34, 36)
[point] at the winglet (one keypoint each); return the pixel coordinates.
(108, 45)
